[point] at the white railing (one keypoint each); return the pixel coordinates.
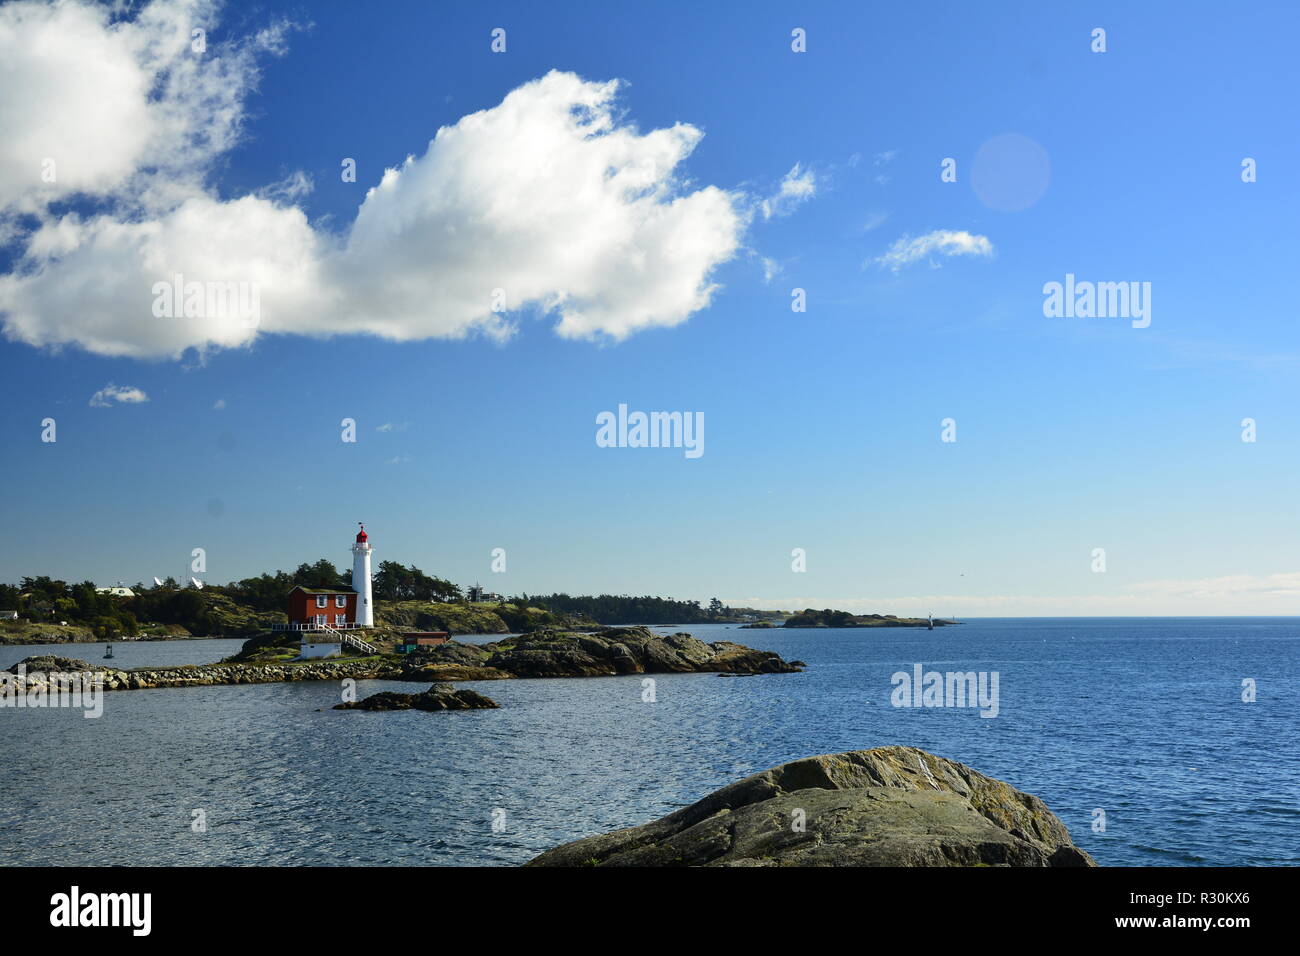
(309, 626)
(351, 641)
(336, 631)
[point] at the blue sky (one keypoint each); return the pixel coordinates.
(822, 427)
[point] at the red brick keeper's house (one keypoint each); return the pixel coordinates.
(335, 607)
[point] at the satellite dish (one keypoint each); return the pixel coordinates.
(157, 583)
(196, 582)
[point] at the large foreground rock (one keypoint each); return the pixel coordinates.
(437, 697)
(891, 806)
(614, 650)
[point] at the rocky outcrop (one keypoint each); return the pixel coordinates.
(615, 650)
(437, 697)
(891, 806)
(49, 663)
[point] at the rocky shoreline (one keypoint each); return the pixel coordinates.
(74, 634)
(891, 806)
(205, 675)
(631, 650)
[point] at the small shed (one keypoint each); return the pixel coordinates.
(312, 650)
(416, 639)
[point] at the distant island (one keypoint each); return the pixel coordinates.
(829, 618)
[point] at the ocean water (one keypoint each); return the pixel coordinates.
(1140, 718)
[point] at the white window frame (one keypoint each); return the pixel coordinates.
(340, 600)
(322, 600)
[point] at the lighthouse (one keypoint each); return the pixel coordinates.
(361, 579)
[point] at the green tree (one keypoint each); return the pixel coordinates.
(393, 582)
(322, 574)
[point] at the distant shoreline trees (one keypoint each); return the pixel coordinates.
(622, 609)
(43, 599)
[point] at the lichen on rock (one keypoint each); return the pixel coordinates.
(891, 806)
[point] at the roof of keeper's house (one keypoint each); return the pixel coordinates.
(323, 590)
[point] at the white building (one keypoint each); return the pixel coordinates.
(361, 580)
(311, 650)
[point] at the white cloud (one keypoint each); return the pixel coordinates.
(91, 281)
(392, 427)
(121, 108)
(292, 187)
(881, 160)
(875, 221)
(941, 242)
(119, 394)
(549, 197)
(1229, 587)
(771, 269)
(798, 186)
(219, 404)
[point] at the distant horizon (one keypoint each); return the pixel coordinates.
(901, 606)
(859, 606)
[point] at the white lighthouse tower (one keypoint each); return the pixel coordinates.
(361, 579)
